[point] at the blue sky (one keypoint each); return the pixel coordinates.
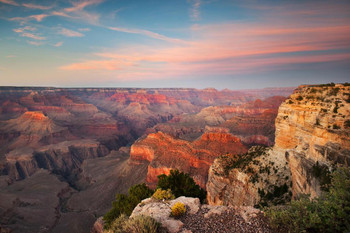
(191, 43)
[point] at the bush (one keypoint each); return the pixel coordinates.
(125, 204)
(138, 224)
(328, 213)
(181, 184)
(178, 209)
(161, 194)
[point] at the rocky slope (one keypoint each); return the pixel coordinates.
(312, 135)
(164, 153)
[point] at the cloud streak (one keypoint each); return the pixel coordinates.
(69, 33)
(147, 33)
(229, 48)
(9, 2)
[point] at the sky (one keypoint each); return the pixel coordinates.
(182, 43)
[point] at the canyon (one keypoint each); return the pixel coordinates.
(66, 152)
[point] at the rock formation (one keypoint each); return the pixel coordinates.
(164, 153)
(312, 135)
(313, 129)
(202, 218)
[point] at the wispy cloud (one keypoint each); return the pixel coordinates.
(69, 33)
(28, 32)
(35, 6)
(10, 2)
(38, 18)
(36, 43)
(195, 14)
(32, 36)
(77, 6)
(58, 44)
(84, 29)
(147, 33)
(230, 48)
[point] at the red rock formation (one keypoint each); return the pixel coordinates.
(165, 153)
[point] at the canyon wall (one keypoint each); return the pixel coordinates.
(312, 137)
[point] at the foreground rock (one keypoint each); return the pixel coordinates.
(203, 218)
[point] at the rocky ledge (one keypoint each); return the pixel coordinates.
(203, 218)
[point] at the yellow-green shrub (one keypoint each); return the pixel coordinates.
(161, 194)
(138, 224)
(178, 209)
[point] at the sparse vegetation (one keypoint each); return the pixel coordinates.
(299, 98)
(178, 209)
(347, 124)
(322, 173)
(125, 204)
(328, 213)
(181, 184)
(161, 194)
(138, 224)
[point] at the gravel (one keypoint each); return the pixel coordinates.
(228, 221)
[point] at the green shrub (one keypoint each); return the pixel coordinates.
(178, 209)
(328, 213)
(181, 184)
(138, 224)
(161, 194)
(299, 98)
(125, 204)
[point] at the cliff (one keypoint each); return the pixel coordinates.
(313, 131)
(165, 153)
(312, 135)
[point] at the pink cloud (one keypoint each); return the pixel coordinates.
(36, 43)
(38, 18)
(77, 6)
(9, 2)
(195, 14)
(32, 36)
(70, 33)
(230, 48)
(96, 65)
(147, 33)
(58, 44)
(34, 6)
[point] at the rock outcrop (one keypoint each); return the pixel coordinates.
(164, 153)
(202, 218)
(312, 131)
(257, 177)
(312, 135)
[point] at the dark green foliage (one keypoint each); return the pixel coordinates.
(335, 109)
(181, 184)
(275, 197)
(347, 124)
(241, 161)
(335, 126)
(125, 204)
(299, 98)
(328, 213)
(334, 91)
(322, 173)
